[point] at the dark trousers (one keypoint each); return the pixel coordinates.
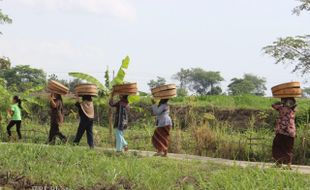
(85, 125)
(54, 132)
(18, 126)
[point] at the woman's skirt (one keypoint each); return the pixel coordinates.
(282, 149)
(160, 138)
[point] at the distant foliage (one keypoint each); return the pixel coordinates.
(22, 77)
(306, 92)
(5, 63)
(183, 77)
(158, 82)
(249, 84)
(199, 81)
(182, 92)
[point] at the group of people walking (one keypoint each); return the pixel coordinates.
(282, 148)
(85, 108)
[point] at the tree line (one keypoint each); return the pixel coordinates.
(201, 82)
(190, 81)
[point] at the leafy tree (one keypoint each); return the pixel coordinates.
(183, 77)
(249, 84)
(158, 82)
(306, 92)
(304, 6)
(293, 50)
(4, 18)
(23, 77)
(5, 63)
(205, 82)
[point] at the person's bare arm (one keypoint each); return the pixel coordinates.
(53, 103)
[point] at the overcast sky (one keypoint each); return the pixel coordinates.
(161, 37)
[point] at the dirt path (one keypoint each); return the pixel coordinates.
(298, 168)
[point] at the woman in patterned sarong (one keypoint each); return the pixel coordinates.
(160, 138)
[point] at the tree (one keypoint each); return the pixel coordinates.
(306, 92)
(158, 82)
(293, 50)
(249, 84)
(304, 6)
(4, 19)
(5, 63)
(183, 77)
(205, 82)
(23, 77)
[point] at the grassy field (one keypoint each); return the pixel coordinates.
(81, 168)
(216, 140)
(235, 102)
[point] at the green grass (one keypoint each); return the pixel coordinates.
(77, 167)
(235, 102)
(219, 140)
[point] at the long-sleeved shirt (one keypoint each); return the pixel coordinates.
(121, 116)
(162, 115)
(286, 121)
(57, 113)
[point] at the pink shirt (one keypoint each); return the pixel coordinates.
(286, 122)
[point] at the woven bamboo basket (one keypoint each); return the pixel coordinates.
(163, 88)
(165, 91)
(86, 89)
(286, 90)
(56, 87)
(126, 89)
(285, 86)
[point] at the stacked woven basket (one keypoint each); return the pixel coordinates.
(165, 91)
(287, 90)
(86, 90)
(125, 89)
(56, 87)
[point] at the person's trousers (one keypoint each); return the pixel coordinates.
(54, 132)
(121, 143)
(18, 124)
(88, 127)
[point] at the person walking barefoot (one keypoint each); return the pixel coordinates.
(16, 117)
(283, 143)
(57, 118)
(87, 114)
(121, 121)
(160, 138)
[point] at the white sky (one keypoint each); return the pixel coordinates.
(160, 36)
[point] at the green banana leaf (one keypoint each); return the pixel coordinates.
(119, 78)
(89, 79)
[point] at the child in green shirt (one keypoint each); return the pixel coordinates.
(16, 116)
